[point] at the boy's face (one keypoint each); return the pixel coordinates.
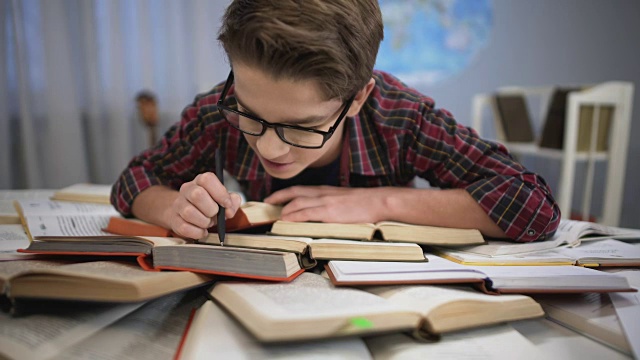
(288, 102)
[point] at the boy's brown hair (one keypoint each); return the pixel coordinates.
(332, 42)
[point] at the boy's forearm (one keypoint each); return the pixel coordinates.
(448, 208)
(152, 205)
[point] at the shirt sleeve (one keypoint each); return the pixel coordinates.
(185, 150)
(450, 155)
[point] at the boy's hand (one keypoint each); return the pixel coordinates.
(331, 204)
(196, 207)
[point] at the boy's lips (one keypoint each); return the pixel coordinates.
(273, 164)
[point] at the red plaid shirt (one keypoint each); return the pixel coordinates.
(397, 136)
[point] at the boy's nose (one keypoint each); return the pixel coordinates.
(271, 146)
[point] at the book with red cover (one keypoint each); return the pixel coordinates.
(166, 253)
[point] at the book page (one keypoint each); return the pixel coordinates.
(8, 209)
(569, 233)
(51, 207)
(603, 251)
(426, 298)
(307, 297)
(152, 332)
(214, 332)
(627, 307)
(590, 314)
(9, 269)
(378, 271)
(12, 238)
(43, 194)
(497, 342)
(551, 277)
(45, 335)
(67, 225)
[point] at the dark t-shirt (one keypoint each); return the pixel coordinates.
(325, 175)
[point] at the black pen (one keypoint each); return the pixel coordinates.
(219, 159)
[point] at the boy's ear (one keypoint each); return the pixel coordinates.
(361, 98)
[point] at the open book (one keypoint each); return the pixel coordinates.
(310, 250)
(597, 253)
(389, 231)
(92, 193)
(166, 253)
(213, 331)
(570, 232)
(591, 314)
(82, 234)
(311, 308)
(8, 213)
(108, 281)
(491, 279)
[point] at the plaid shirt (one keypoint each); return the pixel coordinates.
(397, 135)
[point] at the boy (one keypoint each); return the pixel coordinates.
(306, 122)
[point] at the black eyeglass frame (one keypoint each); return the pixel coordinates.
(326, 135)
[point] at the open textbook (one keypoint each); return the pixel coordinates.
(596, 253)
(151, 332)
(310, 250)
(310, 307)
(81, 234)
(44, 335)
(388, 230)
(90, 280)
(491, 279)
(8, 213)
(570, 232)
(213, 331)
(43, 218)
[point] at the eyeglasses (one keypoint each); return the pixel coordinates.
(293, 135)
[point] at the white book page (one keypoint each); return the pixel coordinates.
(627, 306)
(425, 298)
(51, 207)
(609, 249)
(497, 342)
(569, 233)
(309, 296)
(43, 194)
(152, 332)
(12, 238)
(7, 208)
(435, 268)
(553, 277)
(43, 336)
(68, 225)
(214, 332)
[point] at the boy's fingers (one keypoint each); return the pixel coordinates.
(209, 181)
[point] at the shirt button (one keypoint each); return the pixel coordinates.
(531, 232)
